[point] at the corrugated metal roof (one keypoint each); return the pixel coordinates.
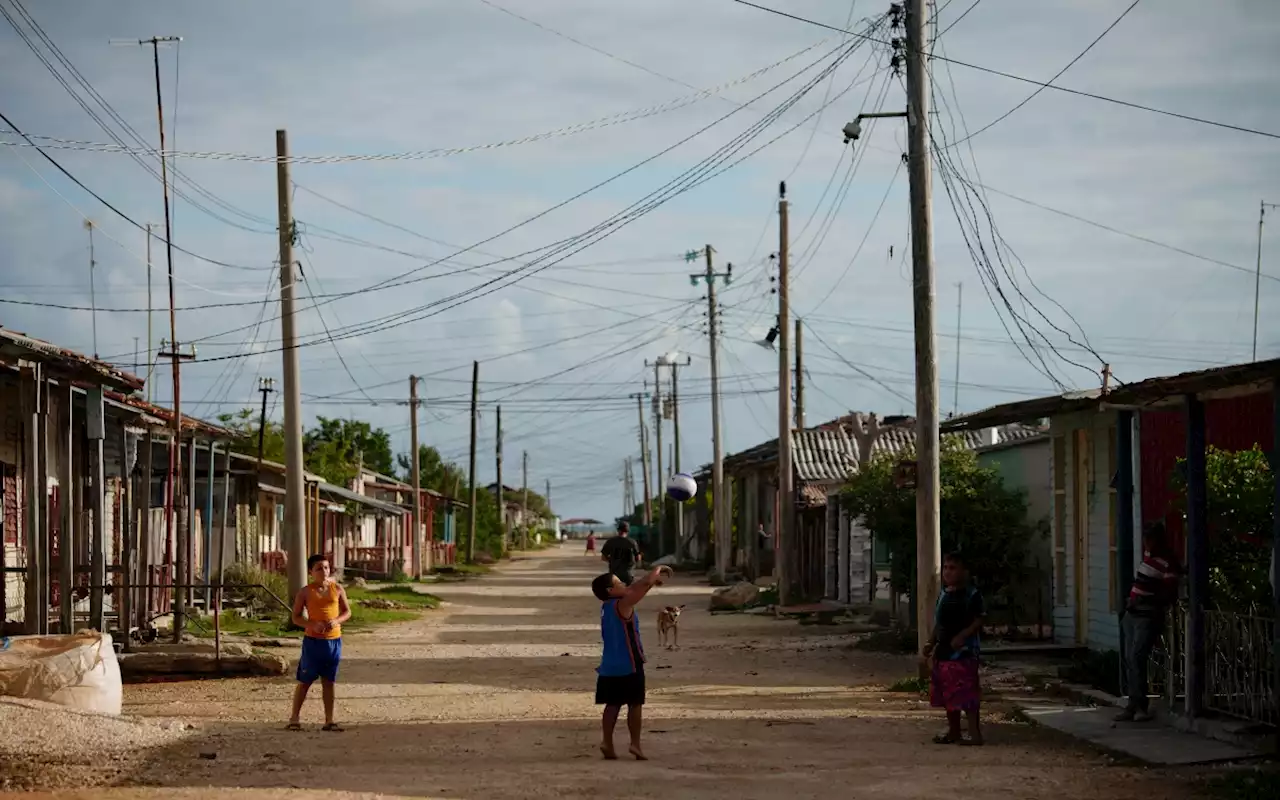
(1147, 393)
(74, 365)
(823, 454)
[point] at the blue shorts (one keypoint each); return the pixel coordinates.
(319, 659)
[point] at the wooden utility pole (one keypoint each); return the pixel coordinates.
(524, 470)
(93, 292)
(502, 505)
(295, 504)
(788, 549)
(799, 375)
(150, 347)
(659, 476)
(644, 460)
(675, 452)
(174, 489)
(721, 509)
(928, 490)
(1257, 278)
(475, 414)
(415, 547)
(266, 386)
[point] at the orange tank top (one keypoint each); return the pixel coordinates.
(322, 606)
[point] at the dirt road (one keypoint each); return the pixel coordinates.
(491, 697)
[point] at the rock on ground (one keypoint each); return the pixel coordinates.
(733, 597)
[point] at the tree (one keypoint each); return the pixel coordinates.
(334, 448)
(1240, 496)
(981, 517)
(244, 424)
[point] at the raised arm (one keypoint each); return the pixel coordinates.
(637, 591)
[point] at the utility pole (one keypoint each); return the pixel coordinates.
(548, 495)
(150, 358)
(93, 292)
(721, 507)
(786, 533)
(174, 490)
(675, 454)
(658, 477)
(502, 507)
(475, 414)
(928, 543)
(955, 401)
(266, 386)
(524, 469)
(626, 489)
(295, 492)
(799, 375)
(928, 490)
(416, 569)
(644, 459)
(1257, 280)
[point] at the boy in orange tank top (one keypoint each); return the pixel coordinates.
(325, 605)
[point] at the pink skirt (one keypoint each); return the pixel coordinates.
(954, 685)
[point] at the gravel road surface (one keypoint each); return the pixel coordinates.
(491, 697)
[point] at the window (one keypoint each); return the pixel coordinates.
(1060, 520)
(1113, 518)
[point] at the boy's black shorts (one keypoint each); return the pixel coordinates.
(620, 690)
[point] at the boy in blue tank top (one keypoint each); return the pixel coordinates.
(620, 676)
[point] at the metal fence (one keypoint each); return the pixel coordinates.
(1239, 664)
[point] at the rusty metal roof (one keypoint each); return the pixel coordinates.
(70, 364)
(163, 417)
(1253, 377)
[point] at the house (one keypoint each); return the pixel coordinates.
(858, 565)
(382, 541)
(1113, 454)
(835, 555)
(61, 441)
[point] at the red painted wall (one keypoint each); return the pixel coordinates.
(1234, 424)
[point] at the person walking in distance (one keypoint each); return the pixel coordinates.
(591, 543)
(621, 553)
(1155, 589)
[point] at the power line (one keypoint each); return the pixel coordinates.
(1049, 83)
(1032, 81)
(4, 118)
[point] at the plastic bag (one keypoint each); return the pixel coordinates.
(78, 671)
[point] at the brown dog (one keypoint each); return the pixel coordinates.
(669, 626)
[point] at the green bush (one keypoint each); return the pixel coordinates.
(262, 588)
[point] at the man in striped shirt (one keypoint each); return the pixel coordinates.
(1155, 589)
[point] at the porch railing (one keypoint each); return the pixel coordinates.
(1239, 664)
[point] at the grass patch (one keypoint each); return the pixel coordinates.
(406, 605)
(461, 572)
(915, 685)
(1245, 784)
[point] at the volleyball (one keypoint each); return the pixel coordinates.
(681, 487)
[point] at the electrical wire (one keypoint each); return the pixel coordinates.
(1048, 83)
(1032, 81)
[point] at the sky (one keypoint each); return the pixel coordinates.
(516, 184)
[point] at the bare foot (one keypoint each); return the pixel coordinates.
(637, 752)
(607, 751)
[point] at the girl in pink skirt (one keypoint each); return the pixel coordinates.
(953, 652)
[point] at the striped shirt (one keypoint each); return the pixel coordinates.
(1155, 587)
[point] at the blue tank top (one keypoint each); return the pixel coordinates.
(623, 654)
